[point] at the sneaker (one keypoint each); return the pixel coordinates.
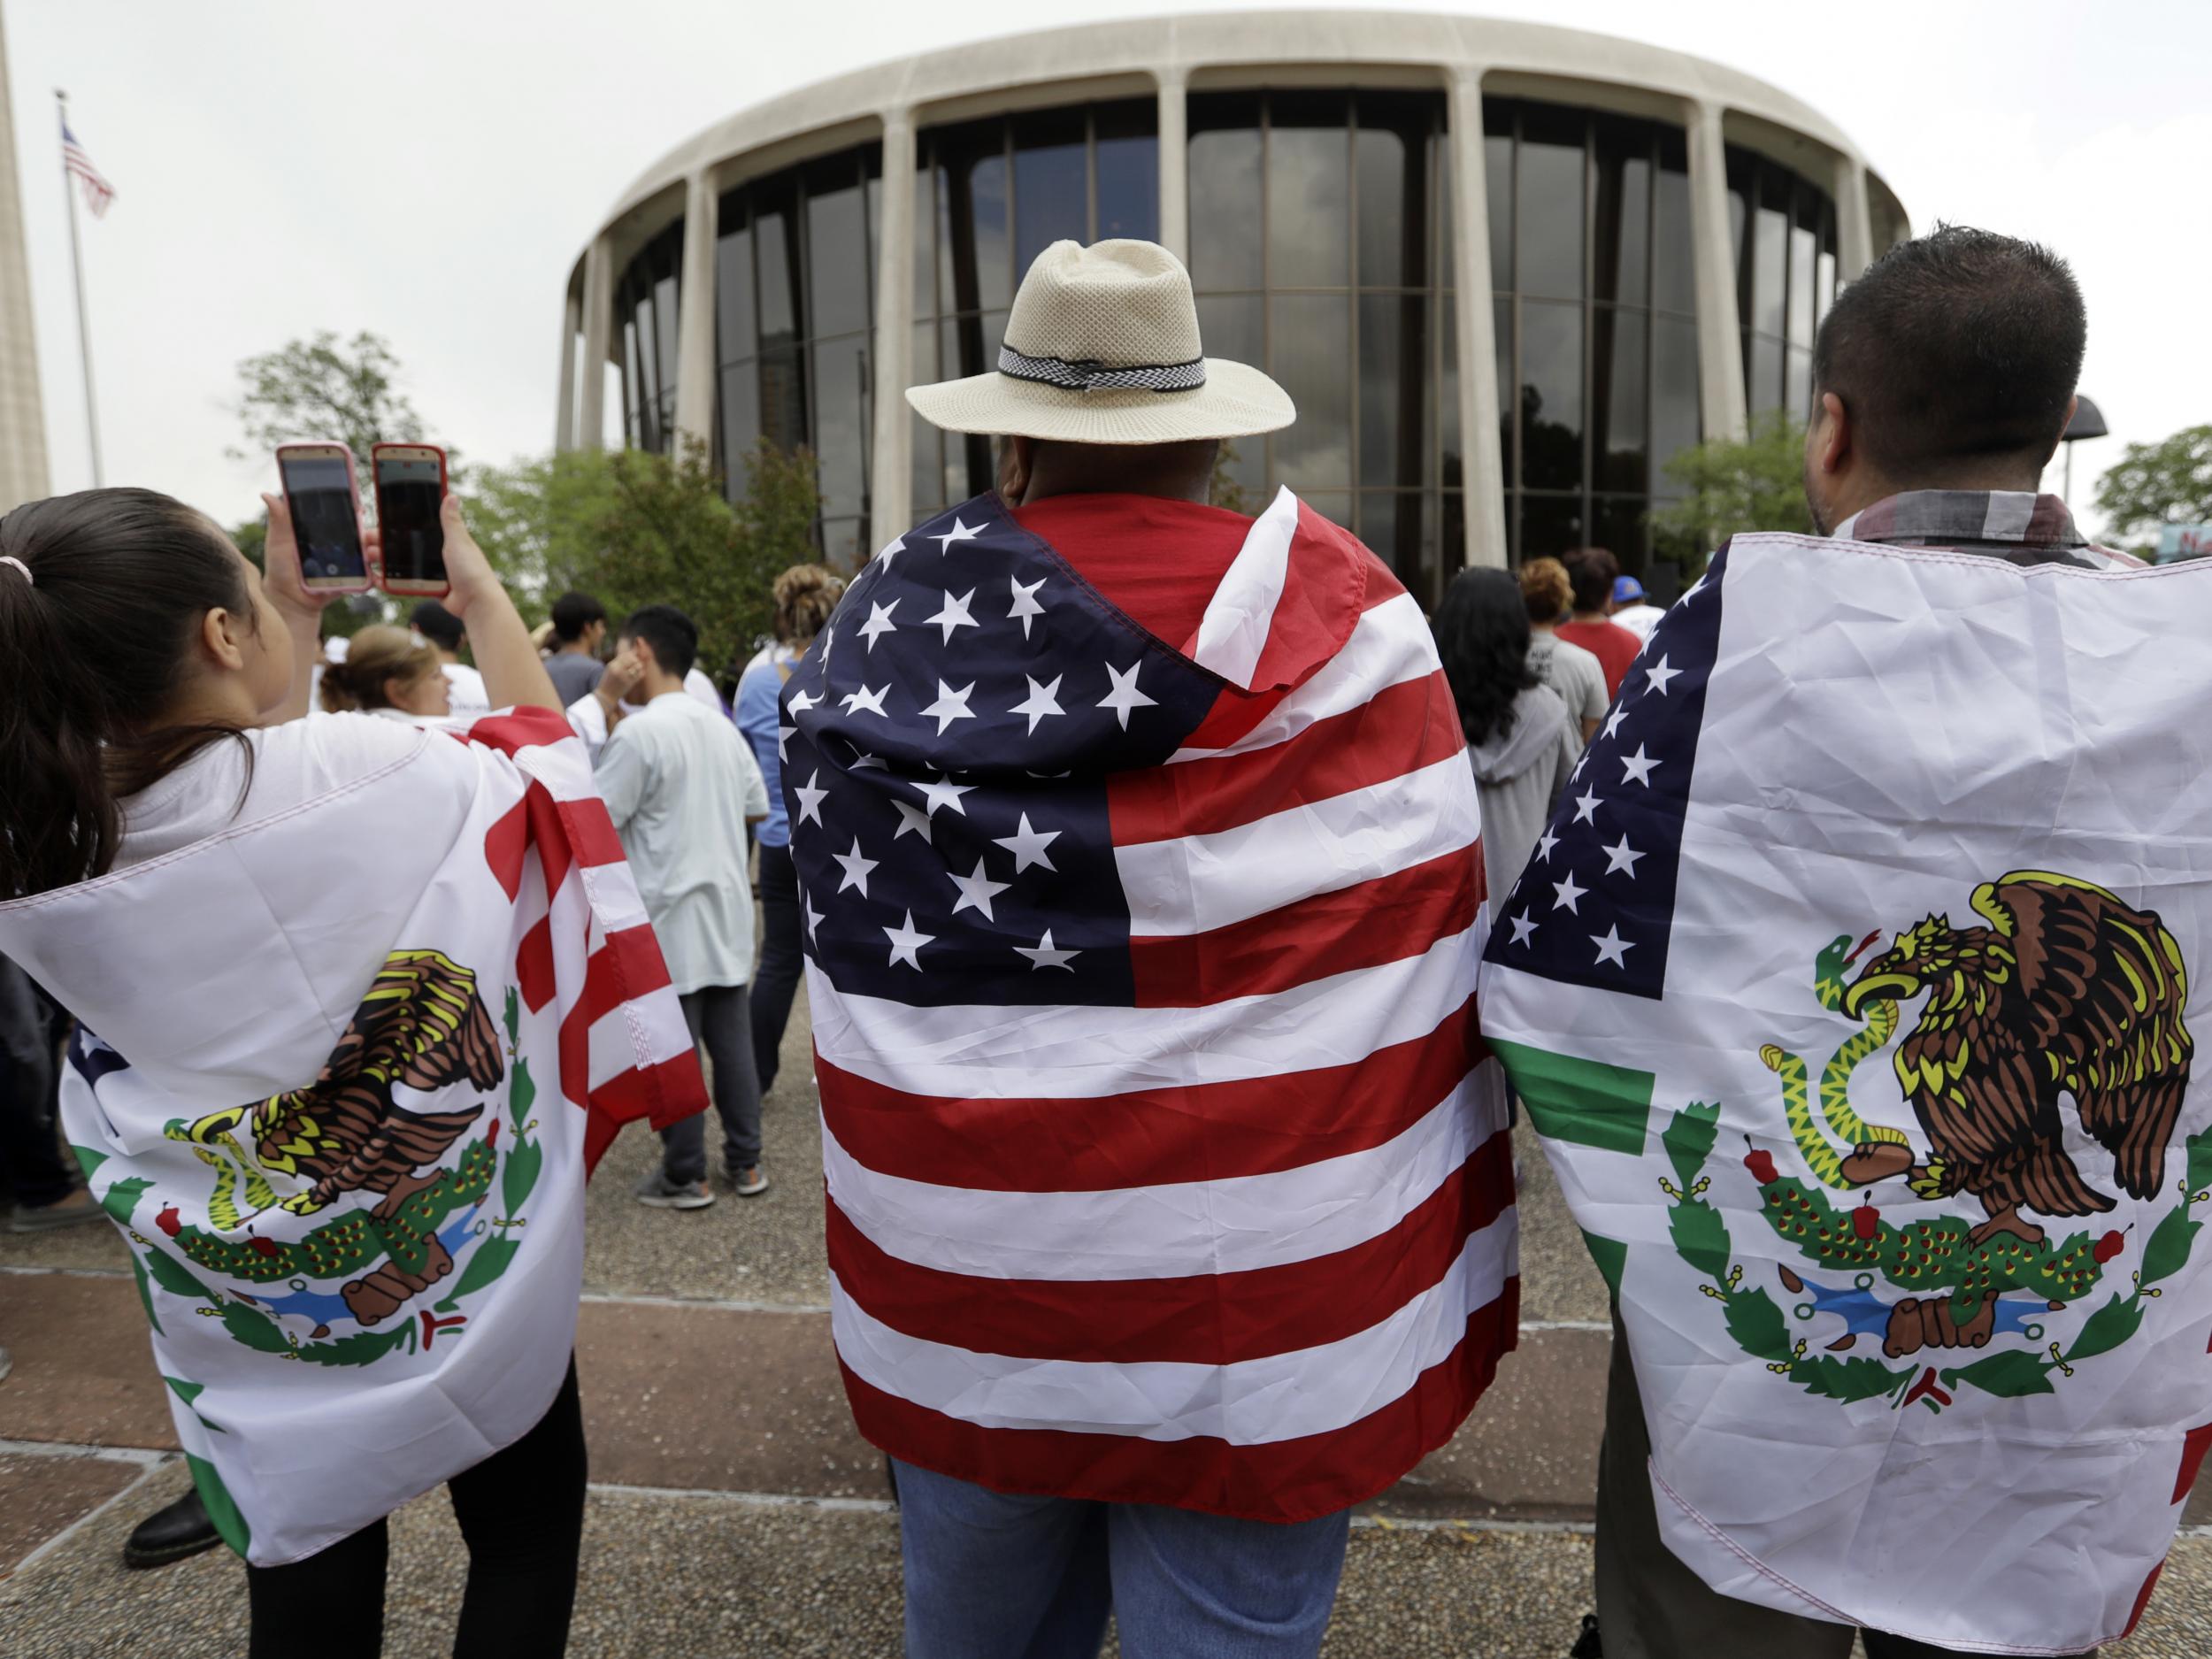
(749, 1182)
(78, 1208)
(657, 1192)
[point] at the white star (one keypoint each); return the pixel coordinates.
(1544, 844)
(1568, 894)
(813, 916)
(857, 868)
(1638, 766)
(951, 705)
(1696, 589)
(784, 734)
(1581, 760)
(1587, 804)
(1613, 948)
(829, 641)
(959, 532)
(1659, 673)
(864, 761)
(878, 622)
(866, 701)
(905, 941)
(1041, 701)
(1026, 605)
(953, 614)
(1613, 721)
(1621, 857)
(802, 700)
(1028, 847)
(941, 793)
(976, 891)
(910, 818)
(891, 551)
(810, 799)
(1125, 695)
(1041, 954)
(1522, 928)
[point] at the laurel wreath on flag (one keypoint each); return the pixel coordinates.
(1803, 1217)
(348, 1243)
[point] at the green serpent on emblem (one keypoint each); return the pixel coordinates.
(1826, 1164)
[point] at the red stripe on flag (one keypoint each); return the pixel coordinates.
(1400, 729)
(519, 729)
(1250, 1127)
(1204, 1319)
(506, 844)
(1388, 920)
(1234, 713)
(1325, 574)
(662, 1095)
(591, 832)
(627, 965)
(534, 965)
(2192, 1449)
(2142, 1597)
(1281, 1481)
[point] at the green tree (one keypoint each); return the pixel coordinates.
(1733, 485)
(2155, 484)
(328, 390)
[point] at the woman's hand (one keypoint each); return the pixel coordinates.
(281, 577)
(620, 678)
(466, 568)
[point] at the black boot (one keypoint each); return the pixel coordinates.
(169, 1534)
(1586, 1645)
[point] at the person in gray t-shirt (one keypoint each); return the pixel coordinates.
(1574, 673)
(579, 623)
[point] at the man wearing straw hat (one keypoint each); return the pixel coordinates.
(1171, 1208)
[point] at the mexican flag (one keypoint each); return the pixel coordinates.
(1850, 991)
(339, 1076)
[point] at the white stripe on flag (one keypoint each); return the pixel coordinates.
(638, 1033)
(1250, 1403)
(1192, 884)
(973, 1052)
(1174, 1230)
(1390, 644)
(1235, 627)
(614, 896)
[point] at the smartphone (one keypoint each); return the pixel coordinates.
(326, 504)
(410, 488)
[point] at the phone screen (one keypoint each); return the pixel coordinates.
(324, 518)
(408, 494)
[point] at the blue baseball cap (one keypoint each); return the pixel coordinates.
(1627, 590)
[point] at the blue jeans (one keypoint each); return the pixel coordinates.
(990, 1576)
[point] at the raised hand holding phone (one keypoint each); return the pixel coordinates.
(323, 510)
(411, 495)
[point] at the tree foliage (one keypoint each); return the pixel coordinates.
(329, 390)
(2155, 484)
(1733, 485)
(635, 528)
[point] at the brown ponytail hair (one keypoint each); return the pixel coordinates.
(804, 597)
(374, 656)
(94, 646)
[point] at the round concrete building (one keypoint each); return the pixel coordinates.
(1505, 269)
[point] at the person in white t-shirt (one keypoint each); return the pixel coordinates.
(682, 786)
(442, 629)
(1632, 610)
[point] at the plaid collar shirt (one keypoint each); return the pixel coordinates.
(2007, 524)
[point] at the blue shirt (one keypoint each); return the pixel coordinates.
(758, 719)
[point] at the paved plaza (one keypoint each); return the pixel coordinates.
(735, 1511)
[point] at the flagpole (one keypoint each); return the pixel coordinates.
(76, 265)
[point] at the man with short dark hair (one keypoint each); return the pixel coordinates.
(1593, 570)
(580, 623)
(682, 786)
(465, 693)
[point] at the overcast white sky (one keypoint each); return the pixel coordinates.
(251, 143)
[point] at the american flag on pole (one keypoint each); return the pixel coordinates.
(97, 191)
(1163, 1161)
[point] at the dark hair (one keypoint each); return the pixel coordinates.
(572, 613)
(1956, 346)
(674, 636)
(1546, 590)
(1481, 632)
(439, 626)
(93, 648)
(804, 597)
(1591, 569)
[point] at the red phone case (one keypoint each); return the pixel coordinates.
(353, 485)
(411, 589)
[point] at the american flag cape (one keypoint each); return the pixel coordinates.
(1852, 992)
(1162, 1163)
(362, 1262)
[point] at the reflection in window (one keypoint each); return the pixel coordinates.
(645, 304)
(989, 197)
(1321, 252)
(1785, 275)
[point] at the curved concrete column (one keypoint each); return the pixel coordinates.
(1719, 326)
(1854, 220)
(695, 310)
(591, 396)
(564, 408)
(891, 481)
(1174, 143)
(1481, 461)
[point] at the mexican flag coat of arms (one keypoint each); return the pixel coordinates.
(1854, 991)
(339, 1075)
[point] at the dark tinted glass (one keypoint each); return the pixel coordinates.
(1804, 279)
(783, 397)
(1618, 445)
(840, 437)
(1051, 183)
(1621, 213)
(1764, 359)
(667, 328)
(925, 240)
(1550, 524)
(1497, 163)
(927, 483)
(1770, 254)
(837, 251)
(740, 421)
(1128, 170)
(1674, 269)
(1308, 187)
(1225, 191)
(1391, 206)
(1311, 343)
(1675, 421)
(1551, 396)
(1797, 388)
(733, 293)
(1548, 199)
(1447, 395)
(1393, 388)
(776, 259)
(992, 283)
(1617, 524)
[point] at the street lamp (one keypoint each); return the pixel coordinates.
(2088, 422)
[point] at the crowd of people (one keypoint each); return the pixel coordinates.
(969, 1118)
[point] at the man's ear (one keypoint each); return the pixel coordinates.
(1015, 456)
(221, 633)
(1832, 434)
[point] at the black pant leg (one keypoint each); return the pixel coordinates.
(781, 960)
(521, 1511)
(330, 1606)
(1881, 1645)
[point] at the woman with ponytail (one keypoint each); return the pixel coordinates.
(392, 672)
(321, 986)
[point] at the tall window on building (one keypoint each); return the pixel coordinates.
(645, 305)
(989, 196)
(795, 313)
(1784, 238)
(1590, 262)
(1321, 250)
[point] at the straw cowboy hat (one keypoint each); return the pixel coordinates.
(1103, 347)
